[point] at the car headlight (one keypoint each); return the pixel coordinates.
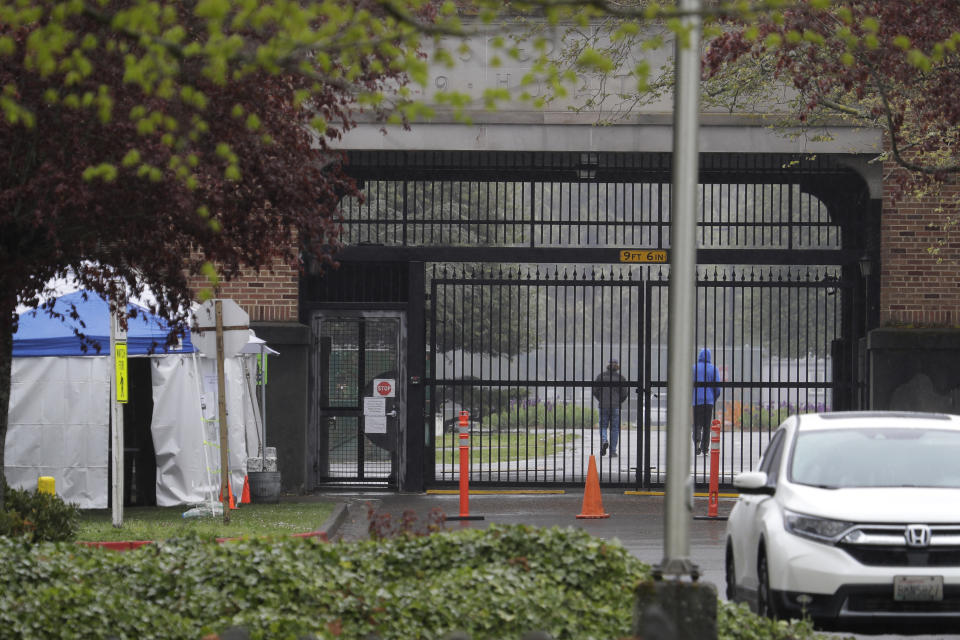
(813, 528)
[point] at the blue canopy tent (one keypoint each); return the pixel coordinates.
(38, 334)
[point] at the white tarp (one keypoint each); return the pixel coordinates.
(59, 418)
(59, 426)
(186, 428)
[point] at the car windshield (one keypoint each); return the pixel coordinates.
(882, 457)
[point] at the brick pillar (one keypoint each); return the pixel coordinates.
(919, 288)
(272, 295)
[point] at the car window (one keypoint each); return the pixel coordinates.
(770, 463)
(881, 457)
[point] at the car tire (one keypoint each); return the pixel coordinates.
(765, 602)
(730, 575)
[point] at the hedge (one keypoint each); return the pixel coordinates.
(492, 583)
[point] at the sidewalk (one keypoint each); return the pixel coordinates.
(636, 521)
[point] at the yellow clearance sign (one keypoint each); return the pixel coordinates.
(656, 256)
(120, 357)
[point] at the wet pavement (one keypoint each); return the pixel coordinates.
(636, 521)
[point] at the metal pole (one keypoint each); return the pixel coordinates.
(263, 401)
(683, 296)
(116, 414)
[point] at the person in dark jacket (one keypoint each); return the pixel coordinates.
(610, 398)
(705, 396)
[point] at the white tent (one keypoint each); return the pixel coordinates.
(59, 414)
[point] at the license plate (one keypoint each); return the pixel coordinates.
(918, 588)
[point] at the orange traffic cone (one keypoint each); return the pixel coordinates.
(245, 494)
(592, 502)
(233, 505)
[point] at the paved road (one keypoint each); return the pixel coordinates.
(739, 451)
(636, 521)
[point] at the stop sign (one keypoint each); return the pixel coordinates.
(384, 387)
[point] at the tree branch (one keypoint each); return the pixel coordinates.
(894, 147)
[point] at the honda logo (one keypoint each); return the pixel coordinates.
(917, 535)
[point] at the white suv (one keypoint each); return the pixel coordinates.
(851, 517)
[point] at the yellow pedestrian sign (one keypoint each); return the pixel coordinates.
(120, 359)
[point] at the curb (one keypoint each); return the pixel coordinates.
(329, 528)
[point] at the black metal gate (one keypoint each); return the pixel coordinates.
(534, 269)
(771, 332)
(521, 352)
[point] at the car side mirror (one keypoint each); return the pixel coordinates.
(753, 482)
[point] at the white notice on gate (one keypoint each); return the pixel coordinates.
(375, 424)
(374, 406)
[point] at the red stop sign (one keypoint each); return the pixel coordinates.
(384, 388)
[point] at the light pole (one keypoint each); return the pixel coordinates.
(690, 608)
(683, 295)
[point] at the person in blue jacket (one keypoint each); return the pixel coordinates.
(705, 396)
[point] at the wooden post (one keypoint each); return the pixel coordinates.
(222, 414)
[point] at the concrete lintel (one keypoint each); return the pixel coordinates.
(652, 134)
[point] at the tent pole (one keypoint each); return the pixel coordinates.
(263, 401)
(205, 441)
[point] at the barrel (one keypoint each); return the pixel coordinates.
(264, 487)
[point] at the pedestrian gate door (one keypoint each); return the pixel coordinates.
(361, 399)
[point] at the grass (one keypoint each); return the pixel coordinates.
(505, 447)
(160, 523)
